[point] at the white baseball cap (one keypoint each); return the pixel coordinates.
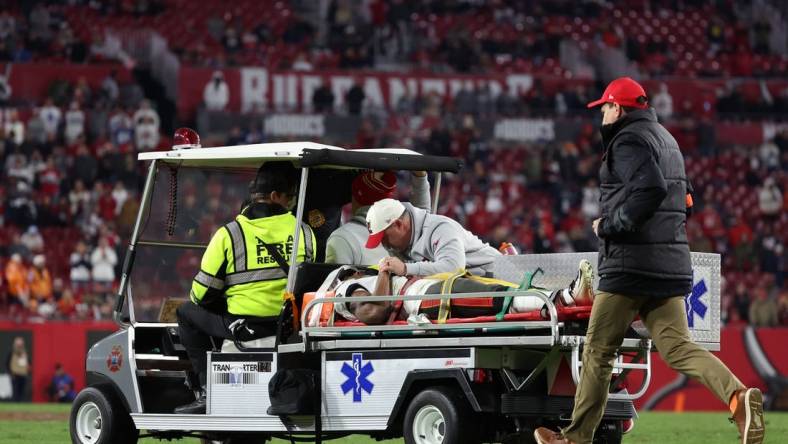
(380, 216)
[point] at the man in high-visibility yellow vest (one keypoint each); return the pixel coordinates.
(241, 267)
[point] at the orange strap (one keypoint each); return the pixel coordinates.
(689, 200)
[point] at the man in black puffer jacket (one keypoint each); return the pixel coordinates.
(644, 267)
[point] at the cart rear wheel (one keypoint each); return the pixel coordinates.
(438, 416)
(97, 417)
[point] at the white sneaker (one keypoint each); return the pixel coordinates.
(581, 290)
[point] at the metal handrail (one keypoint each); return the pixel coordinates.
(619, 364)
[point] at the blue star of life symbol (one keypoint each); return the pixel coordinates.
(694, 305)
(357, 377)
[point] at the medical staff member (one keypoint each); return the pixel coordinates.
(240, 267)
(423, 244)
(346, 243)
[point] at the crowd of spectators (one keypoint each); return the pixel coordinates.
(710, 39)
(68, 193)
(70, 183)
(683, 37)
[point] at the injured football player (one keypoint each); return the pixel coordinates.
(348, 282)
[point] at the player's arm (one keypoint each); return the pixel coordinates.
(374, 312)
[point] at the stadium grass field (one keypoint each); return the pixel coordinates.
(48, 424)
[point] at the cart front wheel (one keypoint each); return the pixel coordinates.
(97, 417)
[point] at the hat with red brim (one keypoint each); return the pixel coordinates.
(380, 216)
(623, 91)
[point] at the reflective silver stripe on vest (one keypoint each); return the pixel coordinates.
(266, 274)
(239, 246)
(307, 242)
(209, 281)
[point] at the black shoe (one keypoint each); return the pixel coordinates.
(195, 408)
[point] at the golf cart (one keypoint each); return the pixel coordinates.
(487, 379)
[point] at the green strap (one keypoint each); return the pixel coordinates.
(524, 285)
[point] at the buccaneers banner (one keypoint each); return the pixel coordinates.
(260, 88)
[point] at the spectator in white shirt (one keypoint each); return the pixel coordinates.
(32, 239)
(79, 199)
(18, 167)
(80, 267)
(14, 128)
(52, 116)
(75, 123)
(302, 63)
(107, 46)
(103, 259)
(769, 154)
(770, 199)
(120, 195)
(216, 94)
(146, 127)
(663, 103)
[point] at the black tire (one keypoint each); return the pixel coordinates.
(100, 418)
(447, 411)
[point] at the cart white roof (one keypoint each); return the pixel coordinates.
(250, 155)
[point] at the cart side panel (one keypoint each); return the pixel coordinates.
(113, 358)
(360, 388)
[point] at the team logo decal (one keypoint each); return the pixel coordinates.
(357, 375)
(693, 303)
(115, 359)
(316, 218)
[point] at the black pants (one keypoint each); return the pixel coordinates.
(197, 326)
(18, 383)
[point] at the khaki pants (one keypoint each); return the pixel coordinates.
(666, 320)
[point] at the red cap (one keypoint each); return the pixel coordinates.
(372, 186)
(623, 91)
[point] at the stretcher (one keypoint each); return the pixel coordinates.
(552, 323)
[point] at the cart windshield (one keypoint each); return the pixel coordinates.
(187, 206)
